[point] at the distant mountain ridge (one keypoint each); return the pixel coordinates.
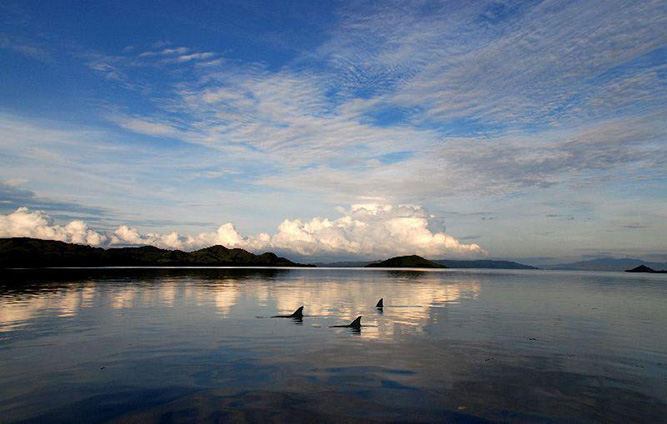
(412, 261)
(481, 264)
(23, 252)
(487, 264)
(343, 264)
(606, 264)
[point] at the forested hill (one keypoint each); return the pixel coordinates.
(34, 253)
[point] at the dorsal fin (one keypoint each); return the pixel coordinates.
(356, 323)
(298, 313)
(380, 303)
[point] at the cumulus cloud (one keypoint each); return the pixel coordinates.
(25, 223)
(362, 230)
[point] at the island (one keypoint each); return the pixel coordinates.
(644, 268)
(412, 261)
(482, 264)
(24, 252)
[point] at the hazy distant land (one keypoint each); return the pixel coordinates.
(606, 264)
(448, 263)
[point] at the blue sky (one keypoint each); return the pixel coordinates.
(532, 130)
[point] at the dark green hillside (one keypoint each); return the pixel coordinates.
(412, 261)
(34, 253)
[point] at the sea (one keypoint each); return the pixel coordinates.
(183, 345)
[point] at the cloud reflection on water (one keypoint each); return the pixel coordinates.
(16, 313)
(536, 345)
(326, 298)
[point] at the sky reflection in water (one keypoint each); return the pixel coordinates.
(183, 345)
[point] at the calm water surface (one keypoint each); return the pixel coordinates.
(189, 345)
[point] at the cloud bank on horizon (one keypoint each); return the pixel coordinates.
(368, 231)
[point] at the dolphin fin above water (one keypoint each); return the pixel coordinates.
(356, 324)
(380, 304)
(298, 314)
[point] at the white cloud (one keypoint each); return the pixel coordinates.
(195, 56)
(490, 101)
(147, 127)
(165, 52)
(487, 97)
(24, 223)
(23, 47)
(13, 182)
(371, 231)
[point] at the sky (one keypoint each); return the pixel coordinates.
(532, 130)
